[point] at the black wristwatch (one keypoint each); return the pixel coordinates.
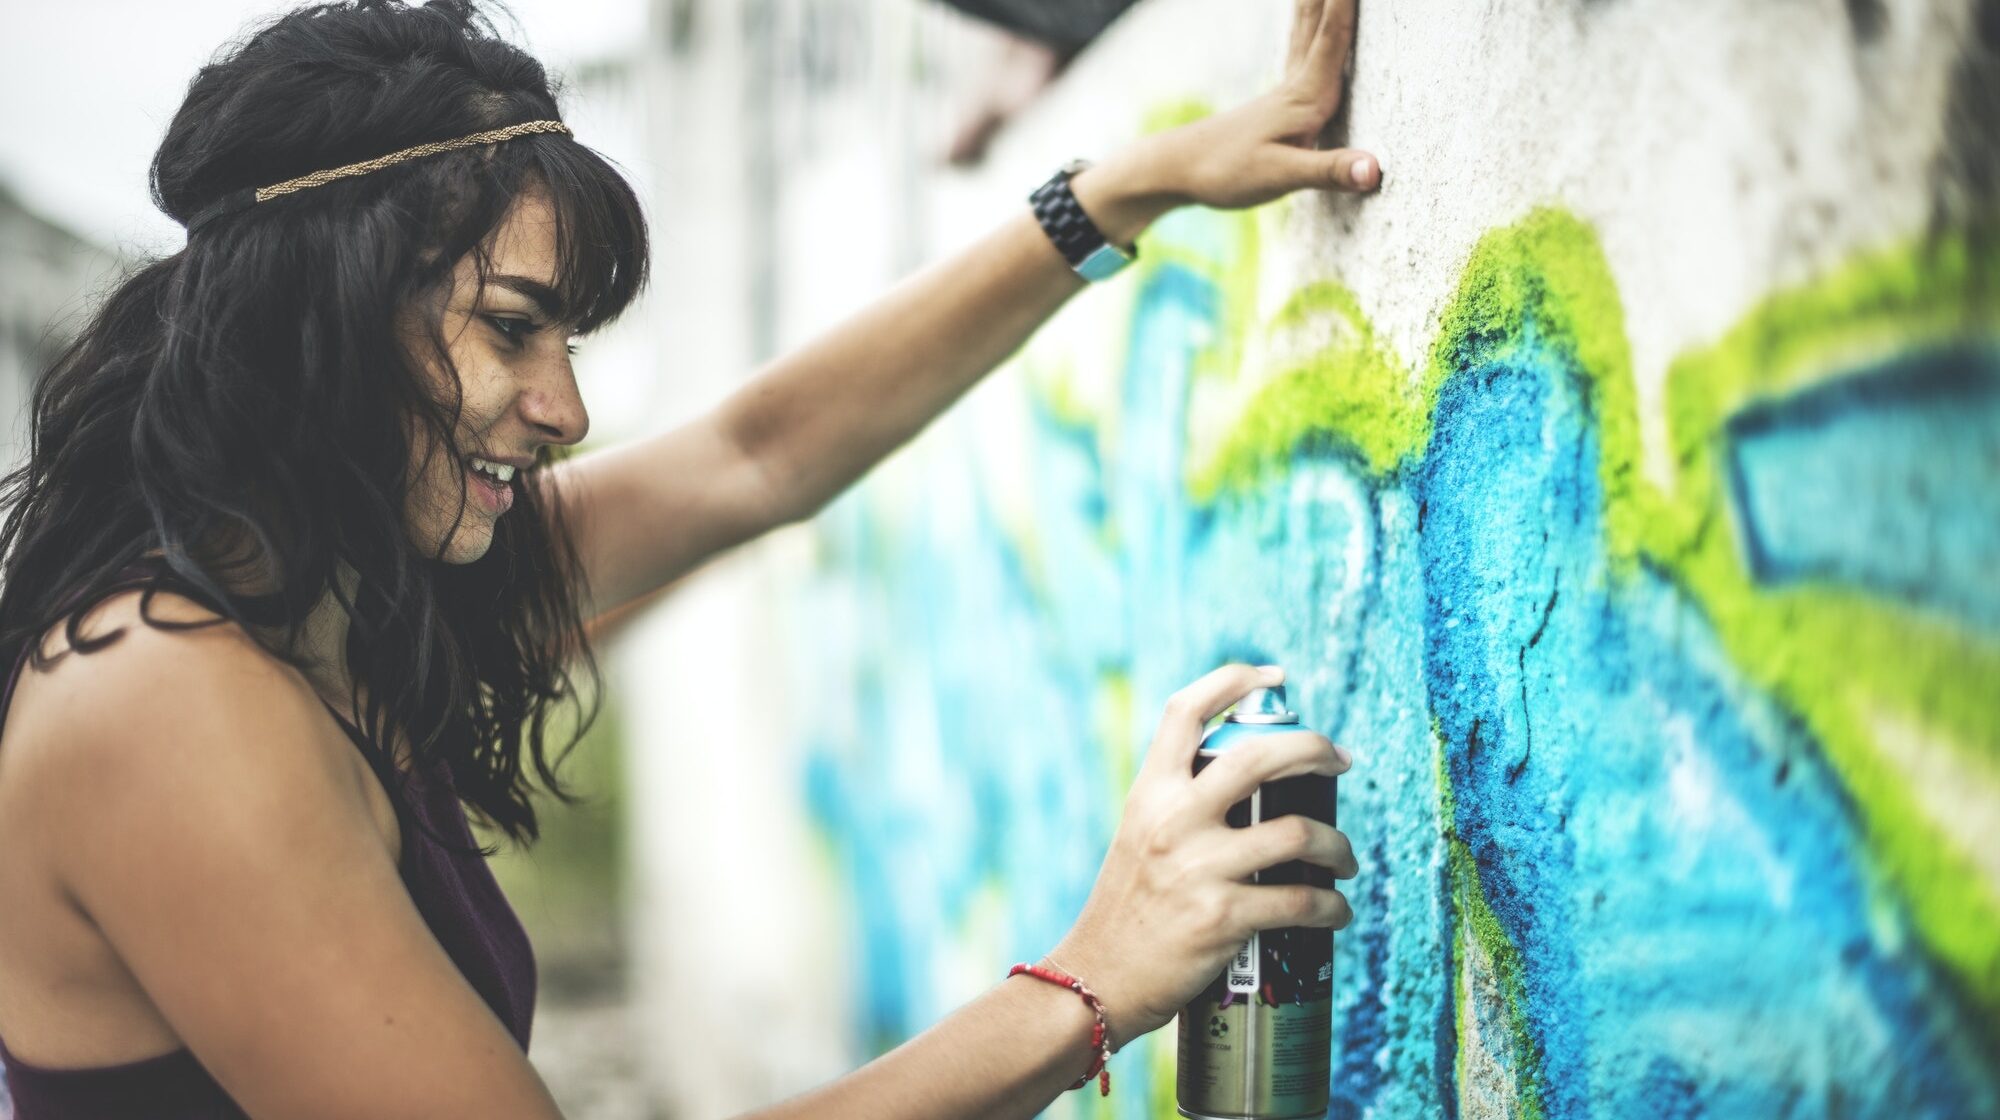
(1083, 245)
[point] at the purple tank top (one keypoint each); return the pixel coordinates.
(448, 880)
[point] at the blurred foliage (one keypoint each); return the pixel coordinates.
(569, 887)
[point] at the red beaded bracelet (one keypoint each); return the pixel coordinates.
(1102, 1049)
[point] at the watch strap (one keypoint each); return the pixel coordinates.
(1082, 244)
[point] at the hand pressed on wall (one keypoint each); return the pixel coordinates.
(1252, 154)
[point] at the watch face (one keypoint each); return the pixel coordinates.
(1103, 264)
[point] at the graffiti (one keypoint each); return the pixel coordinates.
(1896, 450)
(1671, 796)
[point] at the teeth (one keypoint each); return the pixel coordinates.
(500, 471)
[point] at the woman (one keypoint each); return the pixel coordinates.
(295, 578)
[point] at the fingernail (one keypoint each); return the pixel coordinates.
(1275, 672)
(1361, 170)
(1340, 753)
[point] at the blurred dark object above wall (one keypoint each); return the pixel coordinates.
(1041, 36)
(1066, 25)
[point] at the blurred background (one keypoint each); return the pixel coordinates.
(1622, 485)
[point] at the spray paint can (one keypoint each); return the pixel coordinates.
(1258, 1042)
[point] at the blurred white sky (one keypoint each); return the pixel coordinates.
(91, 84)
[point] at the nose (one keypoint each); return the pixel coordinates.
(551, 403)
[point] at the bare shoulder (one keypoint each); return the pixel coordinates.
(136, 680)
(198, 715)
(191, 799)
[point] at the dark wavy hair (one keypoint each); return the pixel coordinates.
(245, 404)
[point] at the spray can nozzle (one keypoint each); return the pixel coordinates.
(1263, 705)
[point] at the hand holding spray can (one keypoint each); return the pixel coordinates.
(1257, 1043)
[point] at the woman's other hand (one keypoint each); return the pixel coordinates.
(1172, 901)
(1250, 155)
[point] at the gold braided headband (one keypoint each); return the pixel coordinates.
(244, 199)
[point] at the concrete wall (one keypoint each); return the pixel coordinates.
(1621, 485)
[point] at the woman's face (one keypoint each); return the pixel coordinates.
(510, 345)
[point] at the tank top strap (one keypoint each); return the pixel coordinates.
(378, 760)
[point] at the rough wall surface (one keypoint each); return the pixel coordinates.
(1622, 486)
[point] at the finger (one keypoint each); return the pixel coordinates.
(1305, 24)
(1190, 709)
(1267, 758)
(1276, 907)
(1341, 169)
(1281, 839)
(1332, 38)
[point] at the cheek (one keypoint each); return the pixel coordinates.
(433, 479)
(486, 400)
(430, 461)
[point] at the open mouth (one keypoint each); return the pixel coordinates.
(500, 474)
(492, 483)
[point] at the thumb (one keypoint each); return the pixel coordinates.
(1339, 169)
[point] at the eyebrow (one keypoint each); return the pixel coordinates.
(546, 299)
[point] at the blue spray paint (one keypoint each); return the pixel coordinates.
(1661, 843)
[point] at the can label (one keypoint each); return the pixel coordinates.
(1243, 970)
(1243, 967)
(1255, 1061)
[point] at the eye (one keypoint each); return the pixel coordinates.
(515, 331)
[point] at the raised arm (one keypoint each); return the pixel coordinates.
(806, 427)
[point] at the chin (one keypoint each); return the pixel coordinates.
(469, 545)
(471, 541)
